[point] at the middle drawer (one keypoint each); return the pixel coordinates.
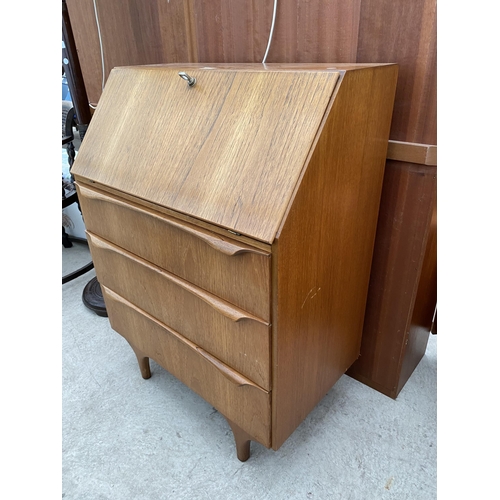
(234, 336)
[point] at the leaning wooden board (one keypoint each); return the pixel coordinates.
(277, 170)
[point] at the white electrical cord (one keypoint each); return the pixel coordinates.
(275, 7)
(93, 106)
(271, 32)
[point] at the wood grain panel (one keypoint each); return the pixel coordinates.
(270, 120)
(229, 31)
(234, 336)
(320, 302)
(405, 32)
(73, 73)
(150, 31)
(146, 110)
(404, 223)
(82, 17)
(425, 304)
(266, 247)
(234, 396)
(315, 31)
(233, 271)
(411, 152)
(132, 32)
(222, 141)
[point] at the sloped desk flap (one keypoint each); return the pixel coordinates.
(228, 150)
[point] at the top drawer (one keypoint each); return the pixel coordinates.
(231, 270)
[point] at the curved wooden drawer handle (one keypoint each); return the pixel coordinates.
(219, 305)
(222, 307)
(230, 374)
(223, 246)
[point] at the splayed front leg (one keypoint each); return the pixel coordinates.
(143, 361)
(242, 440)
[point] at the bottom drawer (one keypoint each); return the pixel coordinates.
(236, 397)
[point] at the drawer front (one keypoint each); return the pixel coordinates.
(236, 397)
(231, 270)
(237, 338)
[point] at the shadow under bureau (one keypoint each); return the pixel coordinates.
(231, 215)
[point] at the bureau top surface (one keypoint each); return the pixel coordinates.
(228, 150)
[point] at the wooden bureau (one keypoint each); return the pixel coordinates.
(232, 225)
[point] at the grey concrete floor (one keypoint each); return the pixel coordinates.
(129, 438)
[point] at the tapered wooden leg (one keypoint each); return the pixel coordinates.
(242, 440)
(143, 361)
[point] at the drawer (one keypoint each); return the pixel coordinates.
(236, 397)
(231, 270)
(236, 337)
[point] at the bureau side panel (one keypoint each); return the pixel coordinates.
(322, 255)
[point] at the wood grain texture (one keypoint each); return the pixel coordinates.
(232, 270)
(228, 31)
(222, 141)
(361, 31)
(424, 306)
(132, 32)
(402, 235)
(410, 152)
(314, 31)
(319, 302)
(195, 223)
(238, 339)
(405, 32)
(247, 405)
(83, 23)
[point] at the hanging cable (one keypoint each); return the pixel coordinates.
(100, 41)
(93, 106)
(271, 32)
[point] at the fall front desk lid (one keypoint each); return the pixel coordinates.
(228, 150)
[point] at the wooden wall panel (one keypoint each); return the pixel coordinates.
(404, 225)
(132, 32)
(82, 18)
(229, 31)
(315, 31)
(404, 32)
(158, 31)
(425, 304)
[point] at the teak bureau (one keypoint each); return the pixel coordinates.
(232, 223)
